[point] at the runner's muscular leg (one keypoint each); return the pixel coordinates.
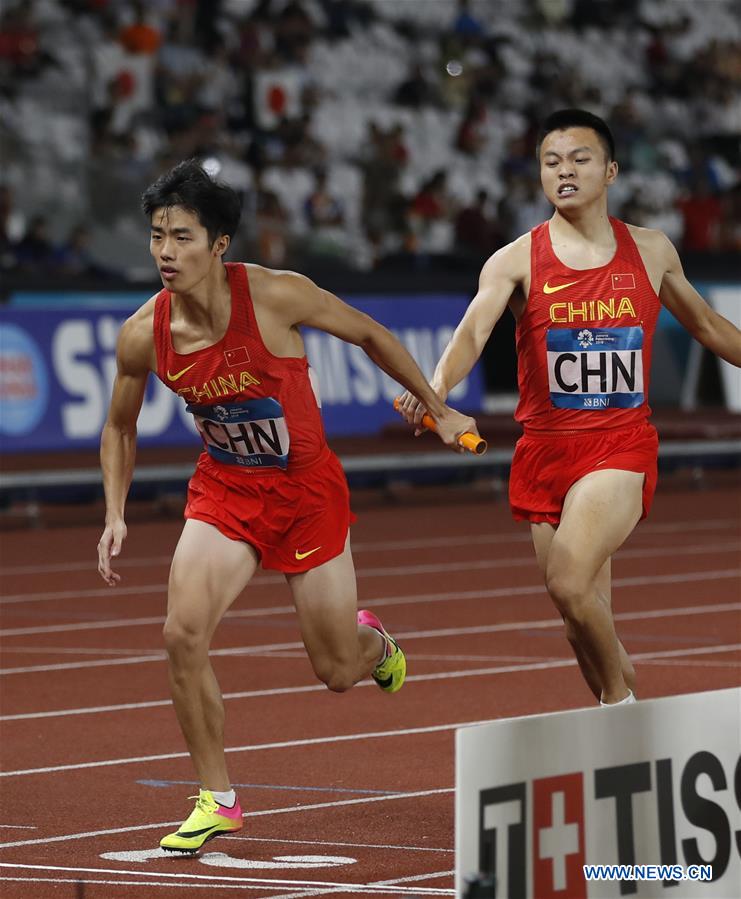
(542, 534)
(599, 513)
(208, 572)
(341, 651)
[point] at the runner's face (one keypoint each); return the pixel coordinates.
(573, 168)
(181, 248)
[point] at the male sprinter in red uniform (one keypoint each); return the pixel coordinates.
(267, 489)
(584, 471)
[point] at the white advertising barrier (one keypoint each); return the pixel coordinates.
(653, 784)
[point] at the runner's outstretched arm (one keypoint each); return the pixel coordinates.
(707, 326)
(304, 303)
(118, 440)
(499, 277)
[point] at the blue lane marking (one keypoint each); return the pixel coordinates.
(194, 783)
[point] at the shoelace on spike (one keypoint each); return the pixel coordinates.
(203, 805)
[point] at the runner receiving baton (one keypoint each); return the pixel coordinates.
(586, 290)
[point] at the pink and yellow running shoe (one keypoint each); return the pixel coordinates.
(390, 673)
(207, 820)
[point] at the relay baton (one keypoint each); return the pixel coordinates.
(472, 442)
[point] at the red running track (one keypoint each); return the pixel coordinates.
(349, 794)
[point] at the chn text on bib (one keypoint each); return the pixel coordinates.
(595, 368)
(252, 434)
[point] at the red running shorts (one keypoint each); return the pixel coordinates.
(547, 464)
(295, 520)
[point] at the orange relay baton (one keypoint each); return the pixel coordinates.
(472, 442)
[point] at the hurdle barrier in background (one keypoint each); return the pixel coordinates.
(655, 783)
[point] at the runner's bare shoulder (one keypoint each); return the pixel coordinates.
(650, 241)
(511, 261)
(510, 264)
(275, 287)
(136, 340)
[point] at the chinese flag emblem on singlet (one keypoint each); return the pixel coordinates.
(237, 356)
(624, 282)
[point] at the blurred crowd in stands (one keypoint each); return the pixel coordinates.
(358, 132)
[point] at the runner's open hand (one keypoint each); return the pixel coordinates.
(109, 546)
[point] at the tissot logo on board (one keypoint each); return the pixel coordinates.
(694, 829)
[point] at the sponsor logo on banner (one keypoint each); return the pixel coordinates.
(557, 819)
(56, 384)
(24, 382)
(596, 803)
(346, 375)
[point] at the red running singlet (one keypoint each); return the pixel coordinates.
(256, 412)
(584, 340)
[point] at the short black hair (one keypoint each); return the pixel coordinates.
(578, 118)
(189, 185)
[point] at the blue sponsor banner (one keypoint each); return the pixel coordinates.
(356, 395)
(57, 368)
(73, 299)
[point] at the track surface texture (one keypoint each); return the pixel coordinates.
(349, 794)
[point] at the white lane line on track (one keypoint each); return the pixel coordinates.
(415, 877)
(269, 654)
(390, 571)
(406, 599)
(694, 651)
(350, 888)
(155, 883)
(440, 675)
(72, 666)
(270, 811)
(334, 843)
(403, 635)
(159, 703)
(692, 663)
(644, 615)
(271, 883)
(383, 546)
(77, 650)
(669, 527)
(257, 747)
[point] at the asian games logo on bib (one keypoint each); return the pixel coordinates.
(585, 338)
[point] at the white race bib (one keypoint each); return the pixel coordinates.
(252, 434)
(595, 368)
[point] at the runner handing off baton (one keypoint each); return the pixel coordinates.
(267, 490)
